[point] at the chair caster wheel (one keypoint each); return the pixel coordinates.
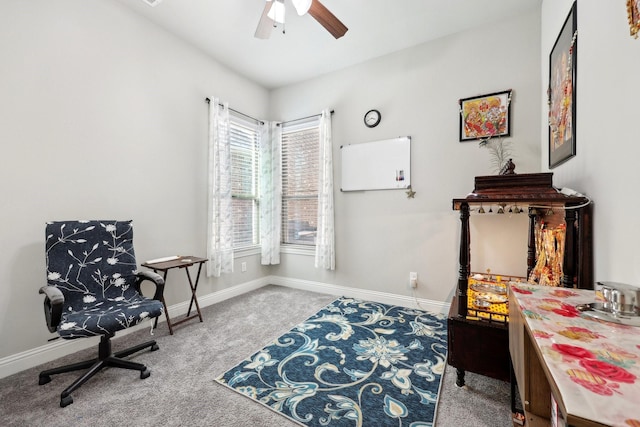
(155, 347)
(44, 379)
(145, 374)
(66, 401)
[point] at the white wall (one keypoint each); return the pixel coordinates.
(102, 115)
(606, 165)
(82, 80)
(382, 235)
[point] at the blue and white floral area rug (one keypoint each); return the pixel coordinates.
(354, 363)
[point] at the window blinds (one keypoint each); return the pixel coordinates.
(245, 182)
(300, 162)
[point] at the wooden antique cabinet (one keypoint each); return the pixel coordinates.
(533, 386)
(479, 339)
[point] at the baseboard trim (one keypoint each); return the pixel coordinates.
(30, 358)
(45, 353)
(364, 294)
(218, 296)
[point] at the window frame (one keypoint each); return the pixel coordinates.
(240, 124)
(310, 124)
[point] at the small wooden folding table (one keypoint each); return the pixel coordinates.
(166, 264)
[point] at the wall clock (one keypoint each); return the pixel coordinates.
(372, 118)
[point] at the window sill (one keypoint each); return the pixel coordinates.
(247, 251)
(284, 249)
(298, 250)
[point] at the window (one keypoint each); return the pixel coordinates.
(245, 184)
(300, 151)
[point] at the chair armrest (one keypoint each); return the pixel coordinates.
(154, 278)
(53, 301)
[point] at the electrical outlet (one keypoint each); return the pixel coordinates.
(413, 279)
(243, 267)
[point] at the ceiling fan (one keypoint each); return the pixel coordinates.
(273, 14)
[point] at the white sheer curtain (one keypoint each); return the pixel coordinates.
(325, 240)
(271, 192)
(220, 214)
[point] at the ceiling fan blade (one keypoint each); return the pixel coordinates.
(263, 31)
(327, 19)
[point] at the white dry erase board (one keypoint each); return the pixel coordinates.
(377, 165)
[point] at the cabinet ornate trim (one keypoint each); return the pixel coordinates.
(536, 194)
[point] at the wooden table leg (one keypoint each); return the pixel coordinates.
(166, 310)
(194, 287)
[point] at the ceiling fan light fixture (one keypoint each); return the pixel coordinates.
(302, 6)
(152, 3)
(277, 12)
(273, 15)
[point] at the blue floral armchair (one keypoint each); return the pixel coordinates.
(93, 289)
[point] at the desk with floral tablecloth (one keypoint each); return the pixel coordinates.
(585, 370)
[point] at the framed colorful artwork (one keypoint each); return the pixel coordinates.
(485, 116)
(633, 11)
(561, 94)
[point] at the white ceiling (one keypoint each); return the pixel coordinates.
(224, 29)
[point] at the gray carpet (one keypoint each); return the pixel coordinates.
(181, 389)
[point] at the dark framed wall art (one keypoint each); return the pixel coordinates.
(633, 11)
(561, 93)
(485, 116)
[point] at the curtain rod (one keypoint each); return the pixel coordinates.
(261, 122)
(208, 101)
(302, 118)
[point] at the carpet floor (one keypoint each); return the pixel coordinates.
(181, 389)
